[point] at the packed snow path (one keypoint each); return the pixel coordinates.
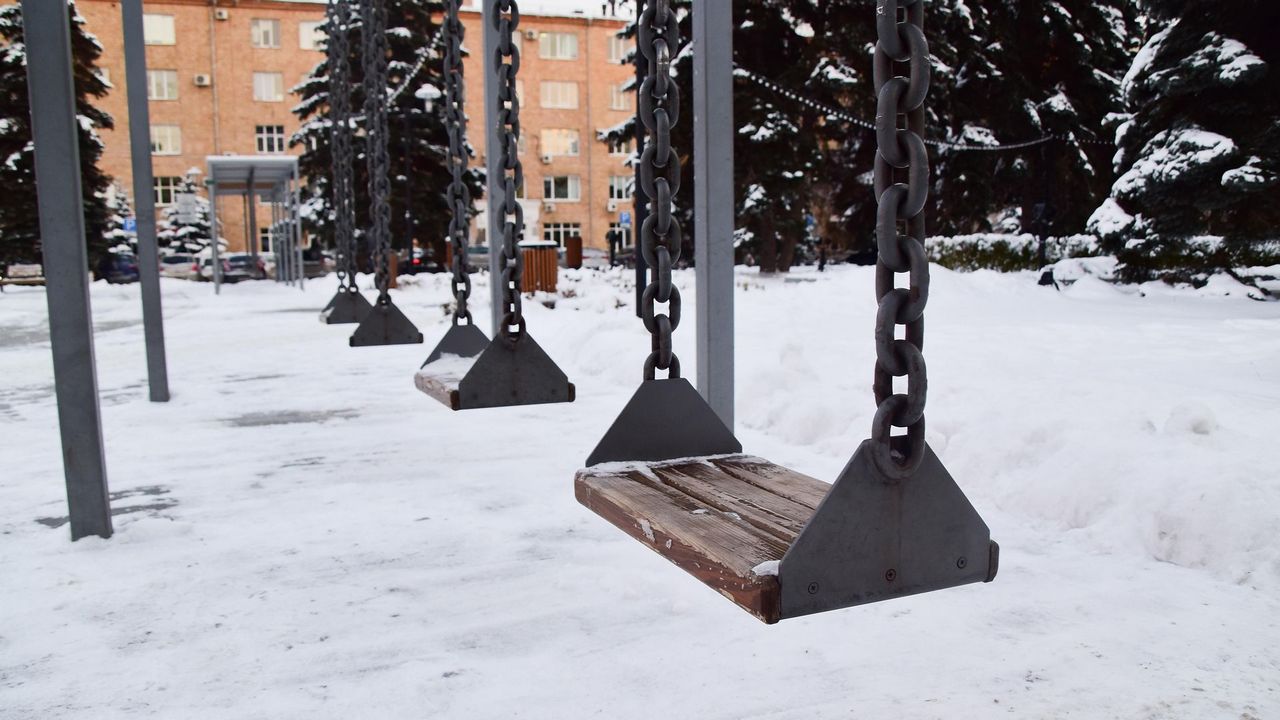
(302, 534)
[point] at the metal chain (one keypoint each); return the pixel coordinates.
(900, 120)
(378, 160)
(457, 196)
(659, 170)
(339, 50)
(506, 61)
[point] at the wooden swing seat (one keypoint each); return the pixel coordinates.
(727, 520)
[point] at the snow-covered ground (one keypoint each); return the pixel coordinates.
(302, 534)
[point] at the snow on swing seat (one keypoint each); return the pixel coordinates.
(468, 371)
(440, 378)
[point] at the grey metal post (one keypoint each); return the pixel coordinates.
(144, 201)
(215, 230)
(294, 217)
(713, 133)
(493, 165)
(252, 240)
(61, 208)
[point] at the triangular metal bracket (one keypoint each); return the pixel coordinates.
(665, 420)
(385, 325)
(513, 373)
(461, 340)
(873, 538)
(347, 306)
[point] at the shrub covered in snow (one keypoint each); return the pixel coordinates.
(1198, 164)
(1006, 253)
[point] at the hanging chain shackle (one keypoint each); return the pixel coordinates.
(658, 40)
(457, 196)
(378, 160)
(505, 15)
(901, 155)
(338, 56)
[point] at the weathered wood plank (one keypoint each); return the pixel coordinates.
(718, 519)
(444, 389)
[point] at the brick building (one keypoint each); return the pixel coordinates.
(219, 79)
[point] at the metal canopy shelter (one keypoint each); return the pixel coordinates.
(272, 179)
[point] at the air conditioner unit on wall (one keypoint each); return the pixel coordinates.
(548, 207)
(221, 14)
(612, 206)
(531, 34)
(203, 80)
(546, 159)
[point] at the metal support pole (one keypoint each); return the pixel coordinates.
(144, 201)
(297, 236)
(253, 218)
(713, 201)
(493, 165)
(61, 209)
(640, 200)
(215, 231)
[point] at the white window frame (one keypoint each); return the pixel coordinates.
(267, 136)
(618, 97)
(265, 236)
(311, 35)
(558, 45)
(558, 232)
(565, 142)
(555, 95)
(618, 49)
(573, 188)
(162, 84)
(166, 189)
(262, 93)
(627, 237)
(259, 38)
(622, 187)
(166, 139)
(158, 29)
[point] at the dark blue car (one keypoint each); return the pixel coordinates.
(117, 268)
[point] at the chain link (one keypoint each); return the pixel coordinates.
(659, 170)
(339, 58)
(374, 20)
(506, 61)
(457, 196)
(900, 120)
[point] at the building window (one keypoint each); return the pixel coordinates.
(618, 97)
(166, 189)
(560, 142)
(158, 29)
(562, 187)
(166, 140)
(559, 95)
(621, 146)
(270, 138)
(268, 87)
(558, 46)
(265, 33)
(624, 232)
(162, 84)
(311, 35)
(264, 239)
(559, 232)
(622, 187)
(618, 49)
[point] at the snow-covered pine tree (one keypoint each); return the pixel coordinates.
(418, 141)
(1199, 154)
(19, 224)
(120, 209)
(188, 235)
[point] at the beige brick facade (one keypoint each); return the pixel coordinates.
(223, 116)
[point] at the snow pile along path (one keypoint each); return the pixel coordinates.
(301, 533)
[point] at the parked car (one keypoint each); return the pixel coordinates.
(180, 266)
(477, 258)
(117, 268)
(235, 267)
(420, 261)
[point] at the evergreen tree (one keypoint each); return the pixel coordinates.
(188, 235)
(418, 141)
(1199, 154)
(119, 210)
(19, 222)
